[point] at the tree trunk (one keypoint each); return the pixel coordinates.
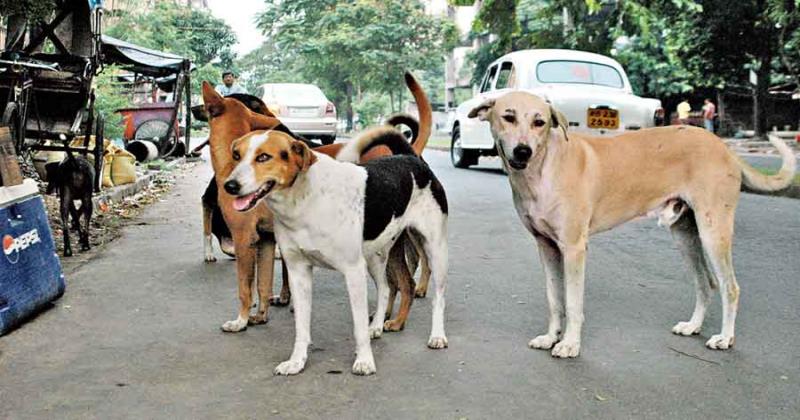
(348, 107)
(760, 97)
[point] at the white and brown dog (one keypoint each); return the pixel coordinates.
(568, 187)
(371, 205)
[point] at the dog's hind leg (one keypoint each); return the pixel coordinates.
(715, 226)
(245, 270)
(684, 231)
(208, 247)
(425, 275)
(83, 232)
(553, 264)
(286, 293)
(376, 264)
(434, 233)
(265, 270)
(400, 277)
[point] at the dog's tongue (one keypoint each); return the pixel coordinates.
(241, 203)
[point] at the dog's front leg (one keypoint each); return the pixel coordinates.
(245, 270)
(86, 211)
(574, 257)
(552, 261)
(356, 278)
(300, 280)
(377, 269)
(66, 210)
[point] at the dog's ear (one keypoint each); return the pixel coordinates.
(302, 155)
(262, 122)
(558, 120)
(481, 110)
(213, 101)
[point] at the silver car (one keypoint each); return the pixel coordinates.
(303, 108)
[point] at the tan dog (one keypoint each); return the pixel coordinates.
(567, 187)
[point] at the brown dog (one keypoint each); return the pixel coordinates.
(567, 187)
(252, 230)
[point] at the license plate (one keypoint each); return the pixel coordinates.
(303, 112)
(602, 118)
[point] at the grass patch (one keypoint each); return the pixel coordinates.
(764, 171)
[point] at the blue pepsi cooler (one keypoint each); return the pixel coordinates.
(30, 272)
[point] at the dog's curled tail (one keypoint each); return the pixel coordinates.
(407, 120)
(386, 136)
(755, 180)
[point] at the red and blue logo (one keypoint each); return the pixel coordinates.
(13, 246)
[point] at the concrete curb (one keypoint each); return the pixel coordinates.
(116, 194)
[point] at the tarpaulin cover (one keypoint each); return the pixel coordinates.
(140, 59)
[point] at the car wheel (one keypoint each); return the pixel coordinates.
(327, 139)
(461, 158)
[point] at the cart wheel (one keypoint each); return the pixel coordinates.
(99, 140)
(11, 120)
(155, 130)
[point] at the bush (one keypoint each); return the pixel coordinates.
(111, 95)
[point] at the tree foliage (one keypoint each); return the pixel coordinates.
(351, 46)
(193, 33)
(668, 47)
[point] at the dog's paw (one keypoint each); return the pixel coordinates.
(393, 325)
(364, 367)
(289, 367)
(236, 325)
(85, 247)
(720, 342)
(437, 342)
(566, 349)
(420, 292)
(686, 328)
(375, 332)
(279, 301)
(257, 319)
(544, 342)
(67, 252)
(210, 258)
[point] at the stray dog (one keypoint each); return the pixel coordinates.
(567, 187)
(228, 119)
(373, 205)
(73, 178)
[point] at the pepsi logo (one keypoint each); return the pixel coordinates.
(13, 246)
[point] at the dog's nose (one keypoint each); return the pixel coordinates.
(522, 153)
(232, 187)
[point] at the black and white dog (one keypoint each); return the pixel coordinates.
(73, 178)
(338, 215)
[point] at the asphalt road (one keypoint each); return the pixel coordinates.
(137, 333)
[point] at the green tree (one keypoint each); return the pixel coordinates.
(352, 46)
(206, 40)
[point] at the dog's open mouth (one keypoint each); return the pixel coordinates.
(246, 202)
(517, 164)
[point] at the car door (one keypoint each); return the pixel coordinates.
(499, 79)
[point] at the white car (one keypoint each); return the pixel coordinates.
(303, 108)
(591, 90)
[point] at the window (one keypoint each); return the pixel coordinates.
(563, 71)
(489, 80)
(505, 79)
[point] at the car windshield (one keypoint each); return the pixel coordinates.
(296, 92)
(565, 71)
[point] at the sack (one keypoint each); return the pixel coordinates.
(123, 168)
(107, 161)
